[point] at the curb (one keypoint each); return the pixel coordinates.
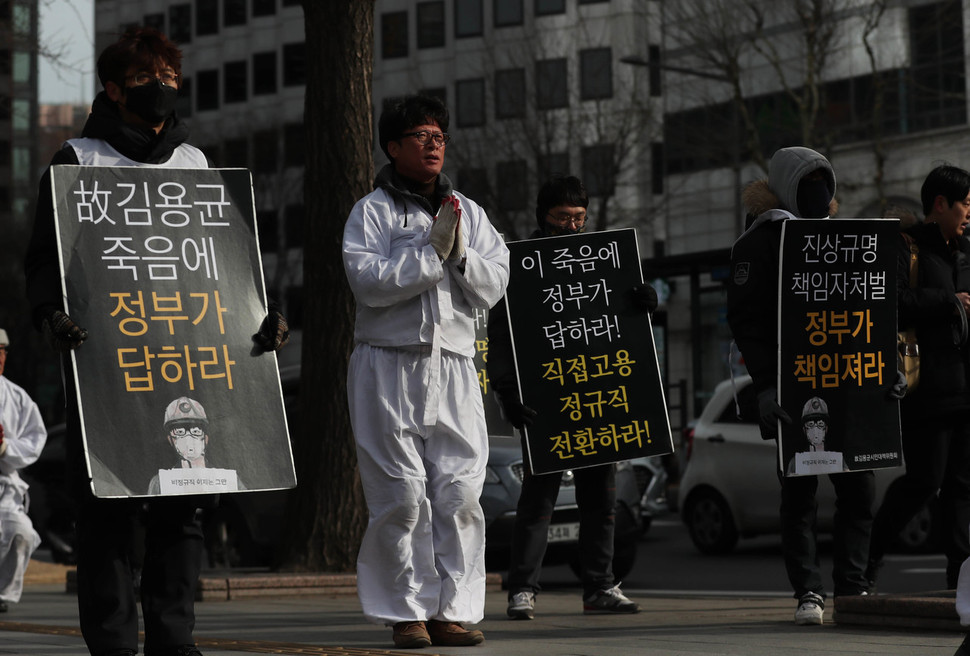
(231, 586)
(934, 610)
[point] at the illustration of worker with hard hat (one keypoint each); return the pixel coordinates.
(815, 427)
(186, 428)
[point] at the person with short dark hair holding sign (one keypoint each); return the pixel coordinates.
(800, 184)
(421, 259)
(560, 210)
(132, 123)
(935, 428)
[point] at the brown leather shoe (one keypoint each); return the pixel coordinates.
(453, 634)
(411, 635)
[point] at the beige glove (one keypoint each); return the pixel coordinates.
(458, 250)
(442, 235)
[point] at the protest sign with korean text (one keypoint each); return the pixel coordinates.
(837, 355)
(161, 266)
(494, 419)
(584, 352)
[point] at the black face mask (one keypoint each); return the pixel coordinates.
(153, 102)
(813, 199)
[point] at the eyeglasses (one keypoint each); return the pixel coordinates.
(423, 137)
(820, 423)
(168, 78)
(5, 349)
(578, 220)
(194, 432)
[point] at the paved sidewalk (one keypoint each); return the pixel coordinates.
(45, 623)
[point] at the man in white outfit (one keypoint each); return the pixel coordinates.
(22, 438)
(420, 258)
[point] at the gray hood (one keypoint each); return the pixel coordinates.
(786, 169)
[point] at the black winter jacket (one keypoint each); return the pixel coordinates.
(941, 325)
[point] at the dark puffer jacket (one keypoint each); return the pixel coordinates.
(941, 325)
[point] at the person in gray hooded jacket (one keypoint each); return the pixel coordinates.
(800, 184)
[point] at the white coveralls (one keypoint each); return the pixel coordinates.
(25, 436)
(416, 408)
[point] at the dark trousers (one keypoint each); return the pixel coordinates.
(596, 498)
(854, 493)
(108, 553)
(937, 455)
(169, 576)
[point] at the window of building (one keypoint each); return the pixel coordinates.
(294, 144)
(596, 73)
(20, 19)
(294, 64)
(291, 3)
(264, 73)
(265, 151)
(512, 185)
(598, 170)
(235, 152)
(591, 2)
(294, 225)
(470, 99)
(235, 82)
(20, 164)
(206, 17)
(264, 8)
(473, 183)
(183, 104)
(551, 84)
(431, 24)
(510, 93)
(937, 70)
(155, 21)
(207, 93)
(548, 7)
(21, 66)
(468, 18)
(266, 226)
(180, 23)
(656, 79)
(233, 12)
(394, 34)
(507, 12)
(552, 164)
(5, 65)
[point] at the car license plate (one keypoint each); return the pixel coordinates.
(564, 532)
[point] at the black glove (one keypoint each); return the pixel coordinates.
(899, 387)
(61, 332)
(274, 332)
(769, 410)
(518, 415)
(644, 296)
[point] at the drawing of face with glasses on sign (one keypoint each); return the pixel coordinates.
(186, 428)
(815, 427)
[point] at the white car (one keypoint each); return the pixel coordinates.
(730, 489)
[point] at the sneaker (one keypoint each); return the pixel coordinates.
(453, 634)
(522, 606)
(810, 609)
(872, 573)
(411, 635)
(610, 600)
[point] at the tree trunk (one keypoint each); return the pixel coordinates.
(326, 514)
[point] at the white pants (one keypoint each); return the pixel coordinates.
(423, 554)
(18, 540)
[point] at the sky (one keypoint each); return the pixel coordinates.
(68, 25)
